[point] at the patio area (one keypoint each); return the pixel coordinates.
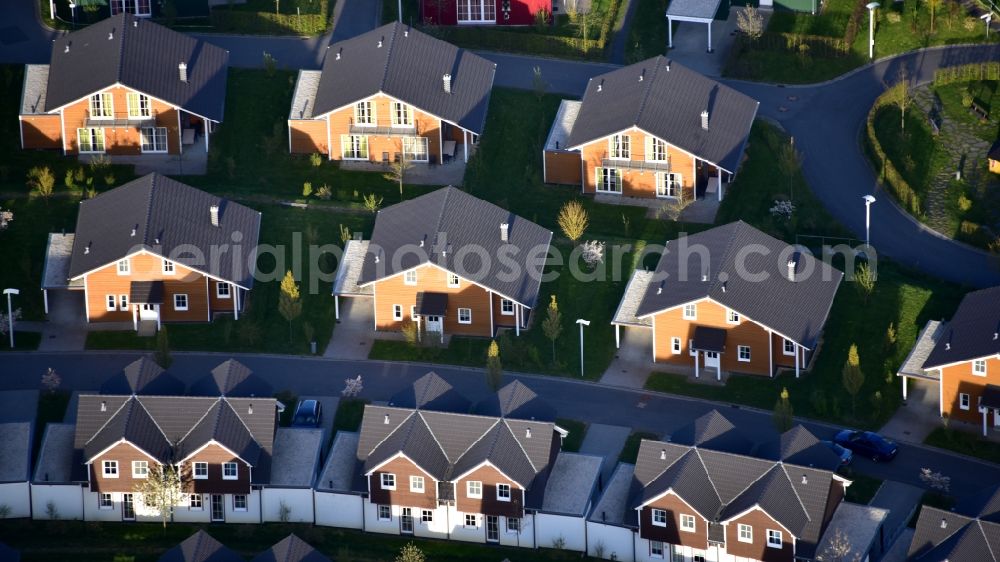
(419, 173)
(193, 161)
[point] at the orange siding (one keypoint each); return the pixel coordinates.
(489, 504)
(124, 454)
(636, 183)
(958, 379)
(403, 469)
(500, 319)
(147, 267)
(41, 131)
(757, 549)
(220, 304)
(995, 166)
(562, 167)
(427, 126)
(308, 136)
(672, 533)
(123, 139)
(394, 290)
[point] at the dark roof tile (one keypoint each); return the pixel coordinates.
(973, 333)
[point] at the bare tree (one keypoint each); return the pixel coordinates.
(750, 22)
(552, 325)
(573, 220)
(839, 549)
(901, 96)
(790, 161)
(161, 490)
(398, 168)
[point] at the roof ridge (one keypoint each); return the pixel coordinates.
(390, 434)
(986, 539)
(433, 435)
(519, 445)
(107, 421)
(739, 224)
(149, 207)
(478, 439)
(671, 463)
(388, 56)
(708, 475)
(121, 49)
(197, 423)
(645, 95)
(153, 419)
(784, 470)
(240, 418)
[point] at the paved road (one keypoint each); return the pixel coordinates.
(589, 402)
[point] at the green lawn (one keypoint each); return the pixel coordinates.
(258, 17)
(964, 442)
(146, 542)
(23, 341)
(985, 93)
(577, 430)
(349, 413)
(648, 35)
(631, 449)
(51, 409)
(862, 488)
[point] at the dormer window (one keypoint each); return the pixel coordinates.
(979, 367)
(503, 492)
(230, 471)
(124, 267)
(110, 469)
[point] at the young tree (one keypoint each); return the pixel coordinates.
(162, 355)
(372, 202)
(573, 220)
(289, 301)
(839, 549)
(552, 325)
(352, 387)
(783, 415)
(750, 22)
(538, 83)
(161, 490)
(5, 219)
(932, 5)
(901, 96)
(852, 376)
(397, 169)
(494, 372)
(41, 181)
(410, 553)
(789, 162)
(864, 279)
(51, 380)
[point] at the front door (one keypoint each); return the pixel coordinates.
(147, 312)
(996, 417)
(218, 508)
(712, 360)
(492, 528)
(128, 507)
(434, 324)
(406, 521)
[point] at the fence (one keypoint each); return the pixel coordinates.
(888, 174)
(967, 73)
(817, 45)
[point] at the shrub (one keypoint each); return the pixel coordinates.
(307, 189)
(894, 17)
(964, 203)
(315, 159)
(573, 220)
(41, 181)
(324, 193)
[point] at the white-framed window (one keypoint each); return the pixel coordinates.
(619, 147)
(691, 350)
(655, 549)
(668, 184)
(364, 113)
(609, 180)
(690, 311)
(413, 312)
(656, 150)
(354, 147)
(471, 521)
(465, 316)
(180, 302)
(979, 367)
(732, 317)
(384, 513)
(474, 489)
(200, 471)
(426, 516)
(124, 266)
(788, 347)
(138, 104)
(168, 267)
(675, 345)
(477, 11)
(743, 353)
(410, 277)
(123, 302)
(745, 533)
(513, 525)
(659, 517)
(90, 139)
(397, 312)
(417, 484)
(102, 106)
(402, 115)
(104, 501)
(773, 538)
(698, 558)
(154, 139)
(112, 304)
(506, 307)
(195, 502)
(964, 401)
(503, 492)
(388, 481)
(230, 471)
(110, 469)
(453, 280)
(222, 290)
(415, 149)
(137, 7)
(140, 469)
(239, 502)
(678, 555)
(688, 522)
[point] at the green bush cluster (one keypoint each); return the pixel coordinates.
(967, 73)
(818, 45)
(243, 21)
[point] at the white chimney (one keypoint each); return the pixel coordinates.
(250, 409)
(379, 43)
(600, 87)
(446, 82)
(182, 69)
(386, 420)
(791, 270)
(104, 406)
(805, 479)
(213, 213)
(944, 523)
(86, 249)
(504, 228)
(111, 35)
(527, 433)
(642, 75)
(338, 55)
(663, 454)
(704, 119)
(133, 233)
(67, 48)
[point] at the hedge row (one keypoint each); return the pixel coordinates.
(854, 22)
(243, 21)
(889, 175)
(790, 42)
(967, 73)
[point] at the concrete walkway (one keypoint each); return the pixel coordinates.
(622, 34)
(917, 417)
(633, 361)
(605, 441)
(353, 335)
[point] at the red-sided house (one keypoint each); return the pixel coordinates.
(124, 86)
(484, 12)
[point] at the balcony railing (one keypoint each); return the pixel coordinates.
(641, 165)
(383, 128)
(119, 119)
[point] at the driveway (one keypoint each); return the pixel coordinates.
(353, 335)
(633, 360)
(605, 441)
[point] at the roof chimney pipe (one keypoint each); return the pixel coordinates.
(791, 270)
(704, 120)
(504, 229)
(111, 35)
(182, 70)
(446, 83)
(213, 213)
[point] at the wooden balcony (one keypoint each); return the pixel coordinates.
(120, 119)
(383, 128)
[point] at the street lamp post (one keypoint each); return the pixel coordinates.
(10, 314)
(871, 28)
(869, 199)
(987, 17)
(72, 11)
(582, 323)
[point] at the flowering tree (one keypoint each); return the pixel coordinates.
(593, 253)
(5, 321)
(352, 387)
(51, 380)
(5, 218)
(935, 480)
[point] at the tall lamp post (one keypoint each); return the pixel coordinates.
(72, 11)
(582, 323)
(869, 199)
(871, 28)
(10, 314)
(987, 17)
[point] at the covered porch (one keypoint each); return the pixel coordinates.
(145, 300)
(707, 348)
(989, 408)
(694, 11)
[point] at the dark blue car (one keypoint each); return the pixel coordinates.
(867, 444)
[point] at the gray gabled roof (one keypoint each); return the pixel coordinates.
(796, 309)
(944, 536)
(665, 99)
(972, 333)
(143, 376)
(131, 423)
(431, 392)
(143, 56)
(291, 549)
(450, 222)
(231, 378)
(169, 219)
(516, 400)
(221, 424)
(408, 65)
(713, 431)
(800, 447)
(984, 505)
(200, 547)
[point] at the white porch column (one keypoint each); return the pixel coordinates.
(770, 353)
(986, 413)
(45, 298)
(718, 370)
(618, 341)
(492, 325)
(719, 182)
(670, 33)
(798, 352)
(517, 319)
(236, 301)
(158, 324)
(696, 373)
(904, 386)
(205, 122)
(135, 319)
(336, 307)
(709, 36)
(465, 145)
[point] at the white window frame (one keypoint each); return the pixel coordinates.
(474, 489)
(177, 305)
(784, 347)
(194, 499)
(453, 280)
(740, 349)
(513, 525)
(138, 105)
(417, 484)
(194, 470)
(402, 114)
(964, 401)
(658, 517)
(608, 180)
(744, 533)
(691, 350)
(467, 313)
(139, 8)
(225, 469)
(354, 147)
(109, 504)
(95, 140)
(979, 367)
(124, 267)
(154, 140)
(506, 307)
(410, 277)
(246, 502)
(675, 345)
(111, 303)
(669, 185)
(654, 152)
(109, 469)
(732, 317)
(387, 481)
(123, 302)
(500, 496)
(474, 521)
(102, 106)
(223, 290)
(774, 539)
(484, 10)
(413, 312)
(140, 469)
(364, 114)
(690, 311)
(688, 523)
(426, 516)
(656, 549)
(397, 312)
(168, 267)
(620, 147)
(416, 149)
(384, 512)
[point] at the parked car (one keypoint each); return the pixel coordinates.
(846, 456)
(867, 444)
(309, 413)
